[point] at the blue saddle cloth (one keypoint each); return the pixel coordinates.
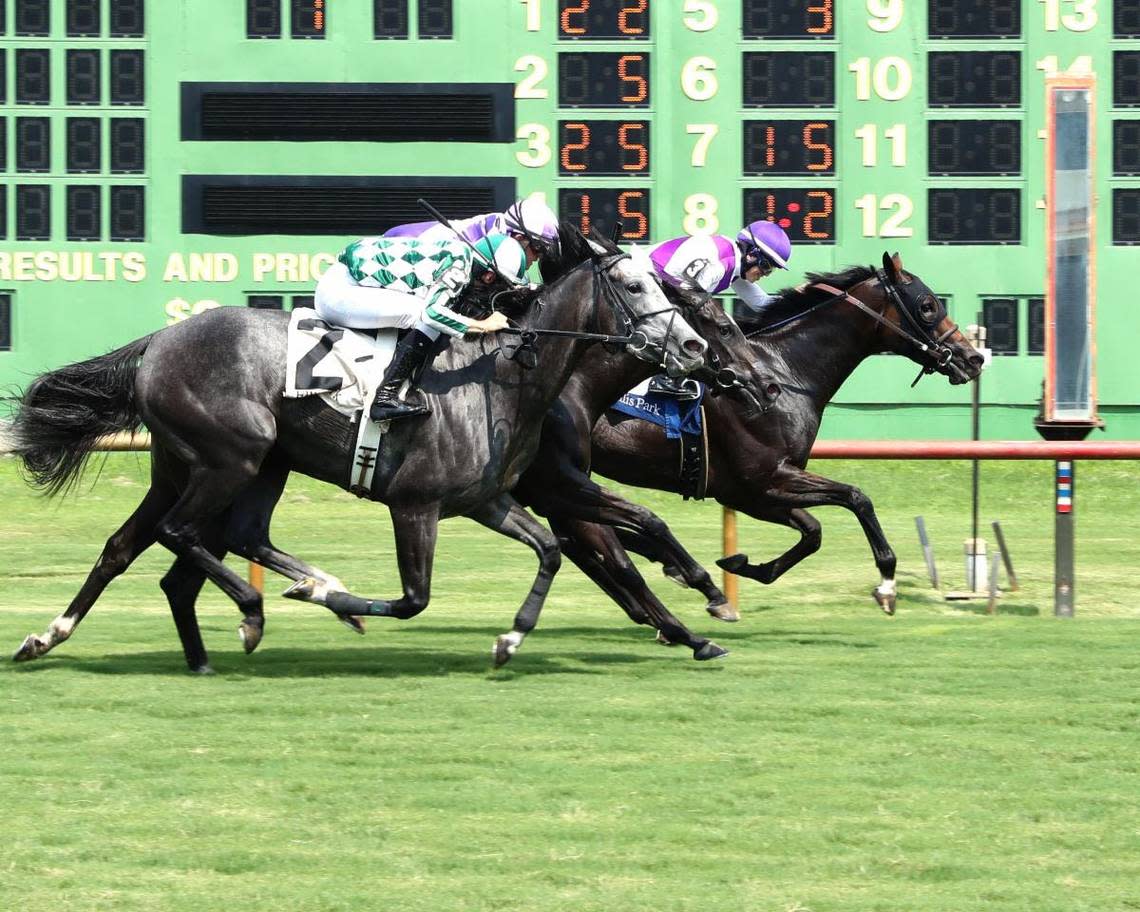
(675, 415)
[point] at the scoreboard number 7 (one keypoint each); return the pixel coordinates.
(704, 134)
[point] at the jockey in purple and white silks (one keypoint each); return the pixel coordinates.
(404, 283)
(531, 223)
(715, 263)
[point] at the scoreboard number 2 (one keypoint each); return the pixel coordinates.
(536, 69)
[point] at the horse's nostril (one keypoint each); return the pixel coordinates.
(977, 361)
(694, 347)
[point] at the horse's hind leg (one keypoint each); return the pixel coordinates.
(627, 580)
(133, 537)
(247, 534)
(182, 584)
(679, 566)
(585, 550)
(810, 538)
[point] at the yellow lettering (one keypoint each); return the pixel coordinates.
(23, 269)
(175, 269)
(70, 269)
(134, 267)
(200, 306)
(5, 267)
(225, 267)
(89, 273)
(177, 310)
(47, 266)
(201, 267)
(321, 263)
(262, 266)
(287, 268)
(110, 265)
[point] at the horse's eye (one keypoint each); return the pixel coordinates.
(725, 331)
(635, 288)
(927, 309)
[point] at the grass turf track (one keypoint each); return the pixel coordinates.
(837, 760)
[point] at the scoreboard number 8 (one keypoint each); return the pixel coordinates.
(700, 214)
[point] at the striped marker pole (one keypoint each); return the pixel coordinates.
(1063, 563)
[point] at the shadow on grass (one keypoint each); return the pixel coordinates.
(1007, 609)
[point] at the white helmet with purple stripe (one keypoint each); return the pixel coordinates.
(766, 239)
(533, 218)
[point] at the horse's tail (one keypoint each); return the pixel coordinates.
(63, 413)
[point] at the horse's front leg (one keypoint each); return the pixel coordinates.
(797, 489)
(415, 528)
(505, 515)
(770, 571)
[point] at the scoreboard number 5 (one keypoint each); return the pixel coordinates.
(706, 15)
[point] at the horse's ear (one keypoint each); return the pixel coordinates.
(892, 266)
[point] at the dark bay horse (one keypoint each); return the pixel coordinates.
(815, 337)
(210, 391)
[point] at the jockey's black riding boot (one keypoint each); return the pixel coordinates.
(411, 352)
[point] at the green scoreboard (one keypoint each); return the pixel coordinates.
(159, 159)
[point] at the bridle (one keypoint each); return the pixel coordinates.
(920, 333)
(631, 338)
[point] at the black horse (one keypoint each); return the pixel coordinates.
(224, 440)
(812, 341)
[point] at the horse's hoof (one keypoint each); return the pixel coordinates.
(355, 624)
(31, 648)
(664, 640)
(733, 563)
(203, 670)
(886, 602)
(505, 647)
(250, 635)
(723, 611)
(672, 573)
(302, 590)
(709, 651)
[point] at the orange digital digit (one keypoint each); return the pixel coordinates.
(824, 147)
(581, 146)
(630, 145)
(824, 19)
(636, 9)
(584, 214)
(827, 205)
(639, 90)
(580, 10)
(624, 199)
(770, 146)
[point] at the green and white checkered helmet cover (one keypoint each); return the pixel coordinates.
(507, 254)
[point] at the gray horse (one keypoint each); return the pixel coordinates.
(210, 391)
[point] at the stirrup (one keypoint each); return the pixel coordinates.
(389, 409)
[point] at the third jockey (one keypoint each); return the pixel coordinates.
(714, 263)
(528, 221)
(408, 284)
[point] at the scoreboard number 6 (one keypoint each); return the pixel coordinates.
(698, 78)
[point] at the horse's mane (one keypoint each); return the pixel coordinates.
(794, 301)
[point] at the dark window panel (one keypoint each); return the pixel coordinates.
(3, 144)
(33, 212)
(974, 147)
(265, 302)
(807, 214)
(1126, 19)
(788, 19)
(84, 145)
(262, 18)
(127, 78)
(33, 145)
(3, 75)
(128, 145)
(600, 79)
(83, 18)
(85, 213)
(789, 79)
(436, 19)
(1125, 216)
(3, 212)
(301, 301)
(33, 18)
(127, 19)
(5, 317)
(390, 19)
(604, 207)
(1035, 344)
(1126, 148)
(83, 77)
(33, 76)
(999, 316)
(974, 79)
(128, 213)
(308, 18)
(974, 18)
(974, 216)
(1126, 79)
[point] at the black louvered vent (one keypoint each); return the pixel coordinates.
(348, 112)
(245, 205)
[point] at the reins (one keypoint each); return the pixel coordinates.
(933, 347)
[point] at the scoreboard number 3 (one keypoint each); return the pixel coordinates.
(537, 152)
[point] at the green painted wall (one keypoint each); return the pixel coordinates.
(56, 319)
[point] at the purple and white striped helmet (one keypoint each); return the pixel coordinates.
(533, 217)
(768, 239)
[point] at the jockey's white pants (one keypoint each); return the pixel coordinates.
(342, 301)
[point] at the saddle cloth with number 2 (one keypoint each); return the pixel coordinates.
(340, 365)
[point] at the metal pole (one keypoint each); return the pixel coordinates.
(995, 566)
(1006, 557)
(975, 435)
(728, 537)
(1063, 563)
(927, 551)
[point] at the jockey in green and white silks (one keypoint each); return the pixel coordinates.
(529, 221)
(403, 283)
